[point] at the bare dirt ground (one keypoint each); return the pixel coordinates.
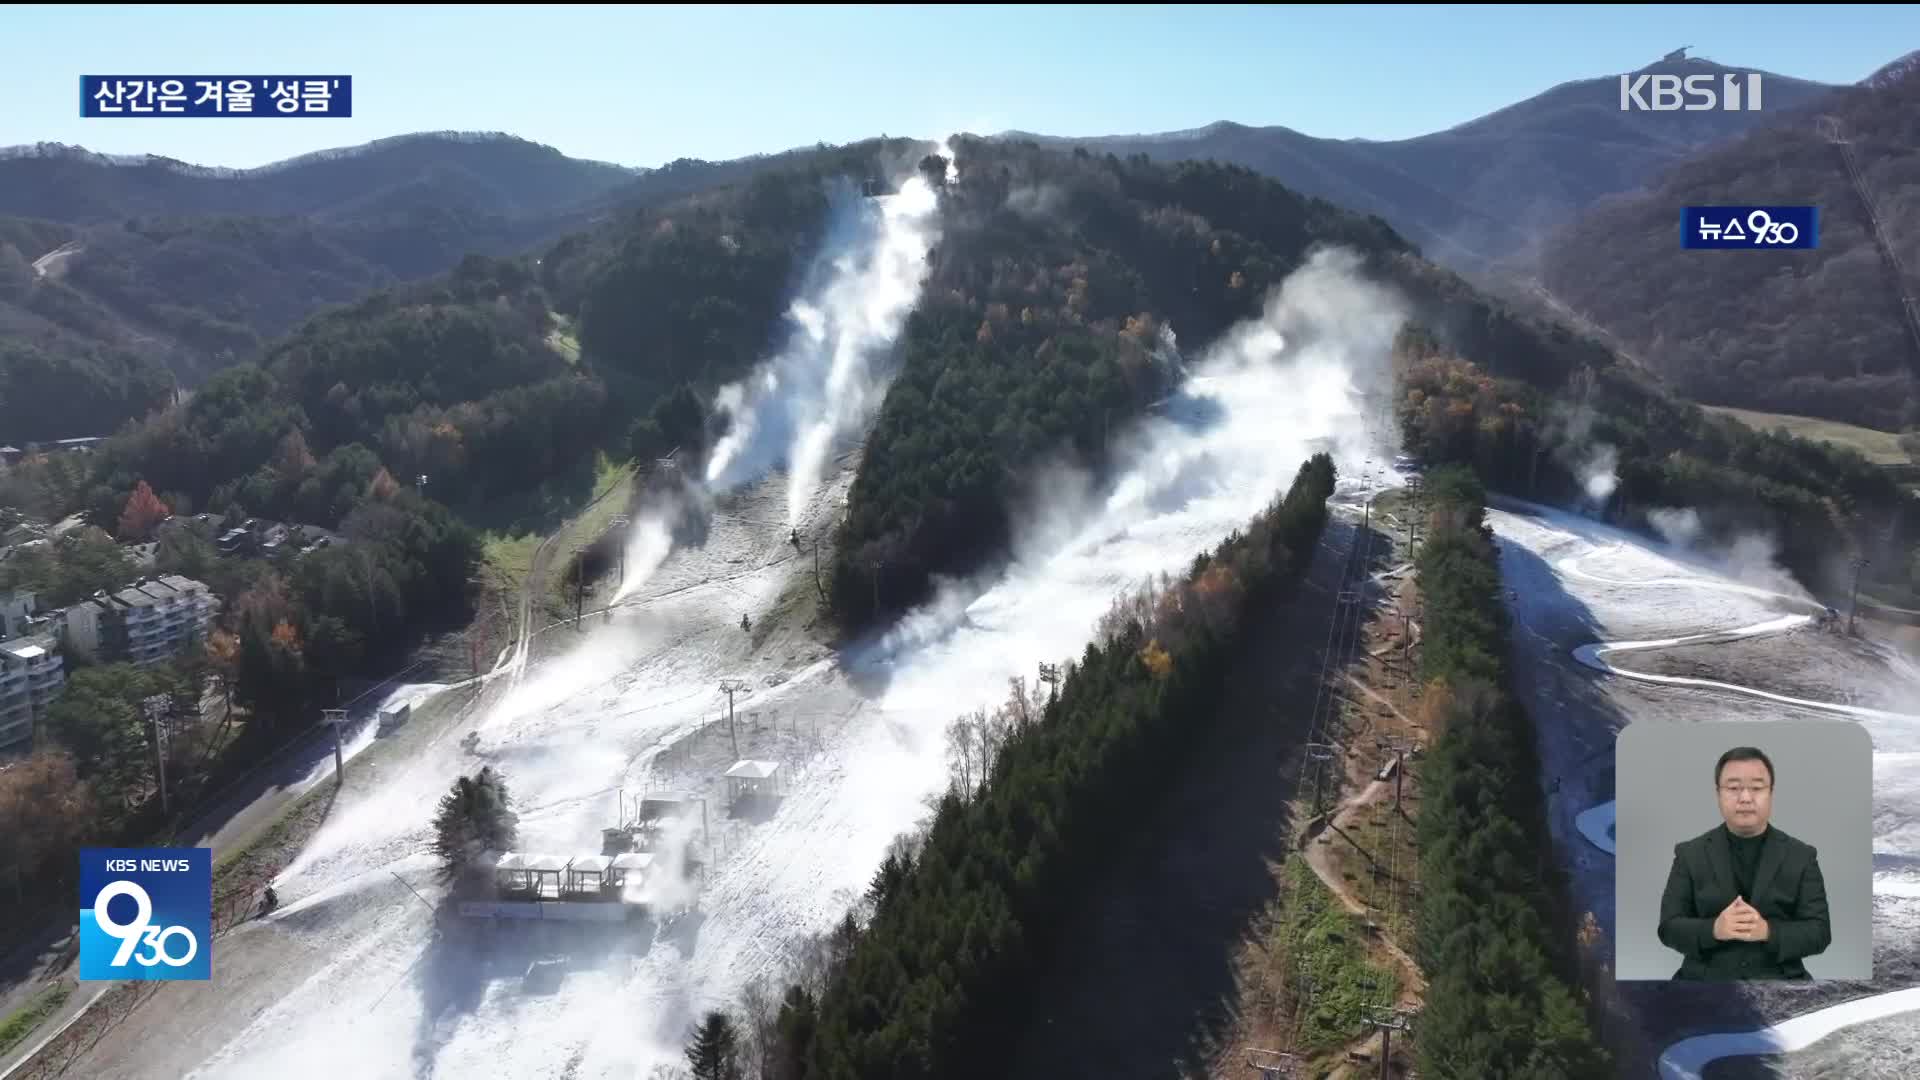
(1366, 852)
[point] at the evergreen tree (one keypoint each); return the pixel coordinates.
(475, 817)
(714, 1053)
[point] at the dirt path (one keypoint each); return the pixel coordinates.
(1319, 858)
(1413, 986)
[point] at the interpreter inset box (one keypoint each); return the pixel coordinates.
(1743, 851)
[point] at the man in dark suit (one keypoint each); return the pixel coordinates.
(1744, 900)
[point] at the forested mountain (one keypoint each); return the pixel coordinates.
(152, 272)
(1483, 190)
(1039, 330)
(1819, 333)
(497, 173)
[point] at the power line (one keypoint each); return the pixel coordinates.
(1388, 1019)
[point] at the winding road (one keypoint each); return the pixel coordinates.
(1687, 1058)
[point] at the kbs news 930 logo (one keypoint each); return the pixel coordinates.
(146, 913)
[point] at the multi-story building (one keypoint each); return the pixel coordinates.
(152, 620)
(15, 609)
(31, 676)
(149, 621)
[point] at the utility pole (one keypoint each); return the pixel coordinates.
(731, 687)
(620, 522)
(579, 584)
(1853, 607)
(1416, 487)
(1399, 749)
(156, 706)
(335, 719)
(876, 586)
(1388, 1020)
(1320, 754)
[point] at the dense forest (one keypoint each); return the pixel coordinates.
(1814, 333)
(1500, 999)
(1043, 313)
(176, 273)
(961, 916)
(1540, 434)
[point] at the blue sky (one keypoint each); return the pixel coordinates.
(641, 86)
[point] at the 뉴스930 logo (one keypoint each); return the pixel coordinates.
(146, 913)
(1662, 93)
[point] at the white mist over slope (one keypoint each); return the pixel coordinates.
(397, 997)
(826, 381)
(832, 374)
(1261, 401)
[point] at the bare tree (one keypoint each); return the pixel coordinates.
(760, 1011)
(963, 750)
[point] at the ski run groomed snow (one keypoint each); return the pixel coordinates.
(1632, 586)
(377, 992)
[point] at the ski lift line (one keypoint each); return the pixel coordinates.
(1830, 128)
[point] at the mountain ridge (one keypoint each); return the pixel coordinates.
(1474, 194)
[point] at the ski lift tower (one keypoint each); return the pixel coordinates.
(1320, 754)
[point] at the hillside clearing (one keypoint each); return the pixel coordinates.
(1879, 447)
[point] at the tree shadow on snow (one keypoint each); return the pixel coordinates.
(470, 958)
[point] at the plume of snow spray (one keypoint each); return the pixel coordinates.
(1749, 557)
(1599, 474)
(827, 380)
(1267, 395)
(650, 542)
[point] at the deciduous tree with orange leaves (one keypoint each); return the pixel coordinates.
(144, 510)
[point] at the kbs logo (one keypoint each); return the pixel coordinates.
(146, 913)
(1665, 93)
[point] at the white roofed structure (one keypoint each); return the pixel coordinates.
(753, 770)
(587, 873)
(519, 872)
(751, 780)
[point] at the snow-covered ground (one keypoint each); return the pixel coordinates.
(358, 974)
(1590, 596)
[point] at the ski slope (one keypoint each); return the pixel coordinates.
(1643, 586)
(359, 973)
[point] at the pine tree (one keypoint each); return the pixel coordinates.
(715, 1051)
(476, 816)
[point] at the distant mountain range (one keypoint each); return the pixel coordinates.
(1831, 333)
(136, 273)
(141, 272)
(1481, 192)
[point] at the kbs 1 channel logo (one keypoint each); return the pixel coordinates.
(1647, 92)
(146, 914)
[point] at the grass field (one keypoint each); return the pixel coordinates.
(507, 558)
(1879, 447)
(17, 1026)
(562, 339)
